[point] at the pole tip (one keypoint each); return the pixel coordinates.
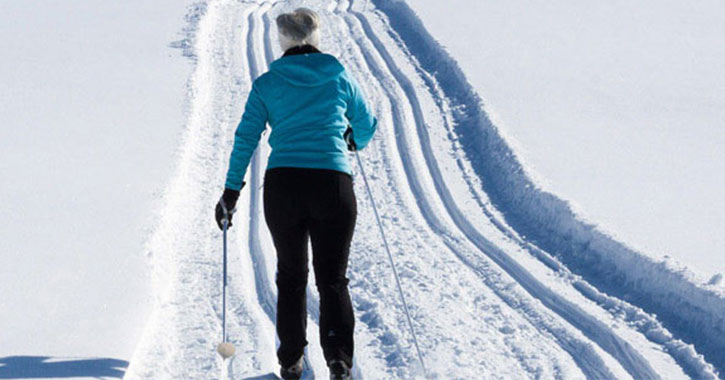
(226, 350)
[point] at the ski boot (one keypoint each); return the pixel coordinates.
(293, 372)
(339, 370)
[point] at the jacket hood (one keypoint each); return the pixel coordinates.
(307, 70)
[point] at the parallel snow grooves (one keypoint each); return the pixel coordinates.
(691, 362)
(268, 52)
(671, 293)
(405, 218)
(267, 298)
(648, 325)
(590, 326)
(587, 359)
(581, 351)
(370, 317)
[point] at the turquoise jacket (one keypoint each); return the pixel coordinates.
(308, 100)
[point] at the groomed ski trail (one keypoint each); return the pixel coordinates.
(581, 350)
(645, 324)
(479, 148)
(450, 77)
(594, 329)
(486, 301)
(402, 222)
(392, 354)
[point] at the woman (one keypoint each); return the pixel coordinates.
(314, 108)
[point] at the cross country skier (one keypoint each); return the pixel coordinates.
(314, 108)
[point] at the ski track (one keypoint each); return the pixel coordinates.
(387, 193)
(644, 323)
(588, 363)
(636, 365)
(601, 372)
(588, 360)
(488, 289)
(647, 281)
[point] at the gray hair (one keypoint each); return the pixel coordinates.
(299, 27)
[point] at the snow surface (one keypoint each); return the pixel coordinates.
(91, 104)
(503, 279)
(618, 105)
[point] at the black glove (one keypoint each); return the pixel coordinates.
(228, 201)
(349, 139)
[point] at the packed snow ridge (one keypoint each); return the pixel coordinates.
(503, 278)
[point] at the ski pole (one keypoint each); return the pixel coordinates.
(392, 262)
(225, 349)
(224, 287)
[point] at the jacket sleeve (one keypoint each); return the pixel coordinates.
(362, 122)
(246, 138)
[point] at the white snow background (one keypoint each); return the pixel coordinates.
(91, 108)
(616, 107)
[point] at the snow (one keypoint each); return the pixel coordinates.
(91, 103)
(616, 105)
(503, 276)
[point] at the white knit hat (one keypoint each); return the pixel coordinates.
(301, 27)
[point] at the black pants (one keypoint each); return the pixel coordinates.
(318, 204)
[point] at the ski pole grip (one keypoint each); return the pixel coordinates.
(349, 139)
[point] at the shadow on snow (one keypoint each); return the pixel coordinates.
(267, 376)
(29, 367)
